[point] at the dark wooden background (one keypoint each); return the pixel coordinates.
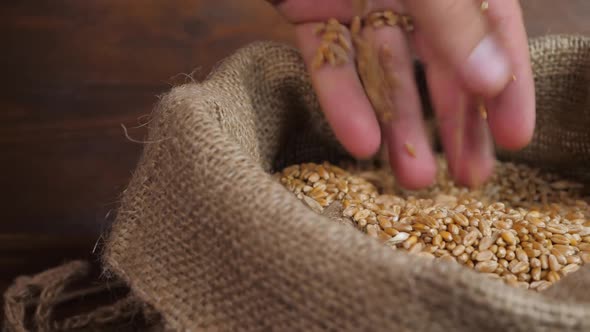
(74, 71)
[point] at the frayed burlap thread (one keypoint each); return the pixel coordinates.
(212, 242)
(43, 293)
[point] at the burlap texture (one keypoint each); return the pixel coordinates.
(212, 242)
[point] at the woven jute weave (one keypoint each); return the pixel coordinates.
(207, 238)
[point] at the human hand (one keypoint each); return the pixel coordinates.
(470, 56)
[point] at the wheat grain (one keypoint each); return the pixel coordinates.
(529, 238)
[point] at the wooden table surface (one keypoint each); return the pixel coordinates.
(74, 71)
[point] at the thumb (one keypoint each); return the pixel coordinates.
(458, 32)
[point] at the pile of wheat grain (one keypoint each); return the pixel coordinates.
(523, 226)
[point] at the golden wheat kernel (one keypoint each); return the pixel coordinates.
(326, 200)
(504, 224)
(446, 236)
(416, 233)
(485, 243)
(487, 266)
(508, 237)
(521, 255)
(391, 231)
(372, 220)
(535, 262)
(537, 246)
(574, 259)
(529, 252)
(402, 227)
(570, 268)
(460, 219)
(470, 238)
(453, 229)
(432, 232)
(524, 277)
(559, 239)
(458, 250)
(416, 248)
(539, 236)
(398, 238)
(553, 263)
(535, 284)
(521, 229)
(553, 276)
(485, 228)
(501, 252)
(517, 267)
(361, 214)
(504, 263)
(532, 228)
(544, 262)
(430, 248)
(450, 246)
(544, 286)
(384, 236)
(384, 222)
(448, 258)
(559, 256)
(537, 253)
(556, 228)
(469, 249)
(313, 178)
(484, 256)
(371, 206)
(420, 227)
(410, 150)
(483, 111)
(510, 278)
(536, 273)
(494, 248)
(463, 258)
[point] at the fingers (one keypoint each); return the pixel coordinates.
(464, 135)
(342, 98)
(460, 36)
(514, 108)
(410, 154)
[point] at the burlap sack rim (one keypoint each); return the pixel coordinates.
(336, 237)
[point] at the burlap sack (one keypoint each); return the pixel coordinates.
(207, 238)
(212, 242)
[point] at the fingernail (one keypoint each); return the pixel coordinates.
(488, 70)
